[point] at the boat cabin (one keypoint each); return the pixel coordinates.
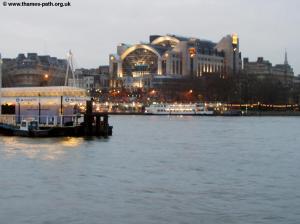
(29, 125)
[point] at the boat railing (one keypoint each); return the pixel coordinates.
(8, 119)
(44, 121)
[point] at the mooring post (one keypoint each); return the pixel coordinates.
(98, 120)
(105, 120)
(88, 117)
(105, 126)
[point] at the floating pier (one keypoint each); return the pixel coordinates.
(79, 125)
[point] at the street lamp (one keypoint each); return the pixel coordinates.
(44, 81)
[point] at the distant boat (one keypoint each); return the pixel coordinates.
(178, 109)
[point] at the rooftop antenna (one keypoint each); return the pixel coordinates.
(286, 58)
(0, 84)
(70, 67)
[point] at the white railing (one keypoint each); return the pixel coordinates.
(46, 121)
(8, 119)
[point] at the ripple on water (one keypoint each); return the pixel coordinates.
(157, 170)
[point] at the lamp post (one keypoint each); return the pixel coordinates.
(46, 77)
(19, 113)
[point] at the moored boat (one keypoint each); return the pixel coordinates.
(33, 129)
(26, 129)
(178, 109)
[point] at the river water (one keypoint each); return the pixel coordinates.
(157, 170)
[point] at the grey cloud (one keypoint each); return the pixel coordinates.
(93, 28)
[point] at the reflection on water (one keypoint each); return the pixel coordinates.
(37, 148)
(158, 170)
(71, 142)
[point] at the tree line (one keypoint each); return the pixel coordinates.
(240, 88)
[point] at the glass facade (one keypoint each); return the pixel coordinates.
(140, 62)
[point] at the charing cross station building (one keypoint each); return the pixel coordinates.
(173, 57)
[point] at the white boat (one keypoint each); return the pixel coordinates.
(178, 109)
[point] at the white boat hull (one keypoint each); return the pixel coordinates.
(178, 109)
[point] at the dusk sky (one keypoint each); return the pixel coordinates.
(93, 28)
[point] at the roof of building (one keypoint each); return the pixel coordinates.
(53, 91)
(180, 38)
(160, 49)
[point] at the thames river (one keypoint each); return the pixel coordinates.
(170, 170)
